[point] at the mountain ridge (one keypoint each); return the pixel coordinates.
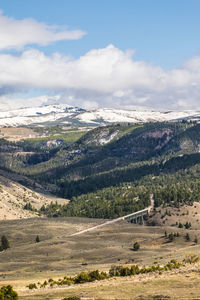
(63, 114)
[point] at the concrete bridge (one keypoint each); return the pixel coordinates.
(136, 217)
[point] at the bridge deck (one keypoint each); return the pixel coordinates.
(137, 213)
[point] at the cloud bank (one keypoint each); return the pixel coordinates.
(103, 77)
(107, 77)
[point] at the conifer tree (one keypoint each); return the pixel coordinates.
(4, 243)
(37, 240)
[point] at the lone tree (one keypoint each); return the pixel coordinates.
(187, 237)
(4, 243)
(136, 246)
(37, 240)
(171, 237)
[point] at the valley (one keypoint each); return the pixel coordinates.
(99, 150)
(58, 182)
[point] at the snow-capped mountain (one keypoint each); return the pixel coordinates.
(38, 115)
(65, 114)
(135, 116)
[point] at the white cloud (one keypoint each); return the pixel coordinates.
(10, 102)
(104, 77)
(104, 71)
(18, 33)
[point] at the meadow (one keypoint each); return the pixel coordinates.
(59, 254)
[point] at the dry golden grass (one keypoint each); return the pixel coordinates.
(168, 216)
(15, 196)
(59, 254)
(172, 285)
(17, 134)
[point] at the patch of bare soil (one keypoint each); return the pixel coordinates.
(17, 134)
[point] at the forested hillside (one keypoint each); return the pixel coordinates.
(112, 170)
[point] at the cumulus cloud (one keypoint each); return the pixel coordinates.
(15, 34)
(106, 70)
(104, 77)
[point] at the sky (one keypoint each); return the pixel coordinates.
(93, 54)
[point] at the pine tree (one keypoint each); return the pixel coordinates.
(37, 240)
(4, 243)
(187, 237)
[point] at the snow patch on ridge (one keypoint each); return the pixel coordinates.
(61, 112)
(39, 114)
(134, 116)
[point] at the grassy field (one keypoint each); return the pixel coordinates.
(59, 254)
(68, 136)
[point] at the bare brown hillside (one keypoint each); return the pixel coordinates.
(14, 196)
(172, 216)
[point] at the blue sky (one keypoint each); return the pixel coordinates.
(163, 34)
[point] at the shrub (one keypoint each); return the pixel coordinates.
(32, 286)
(96, 275)
(114, 271)
(45, 283)
(176, 263)
(125, 271)
(82, 277)
(187, 225)
(28, 206)
(191, 258)
(134, 270)
(67, 281)
(136, 246)
(171, 237)
(7, 292)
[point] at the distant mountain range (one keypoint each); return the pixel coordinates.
(62, 114)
